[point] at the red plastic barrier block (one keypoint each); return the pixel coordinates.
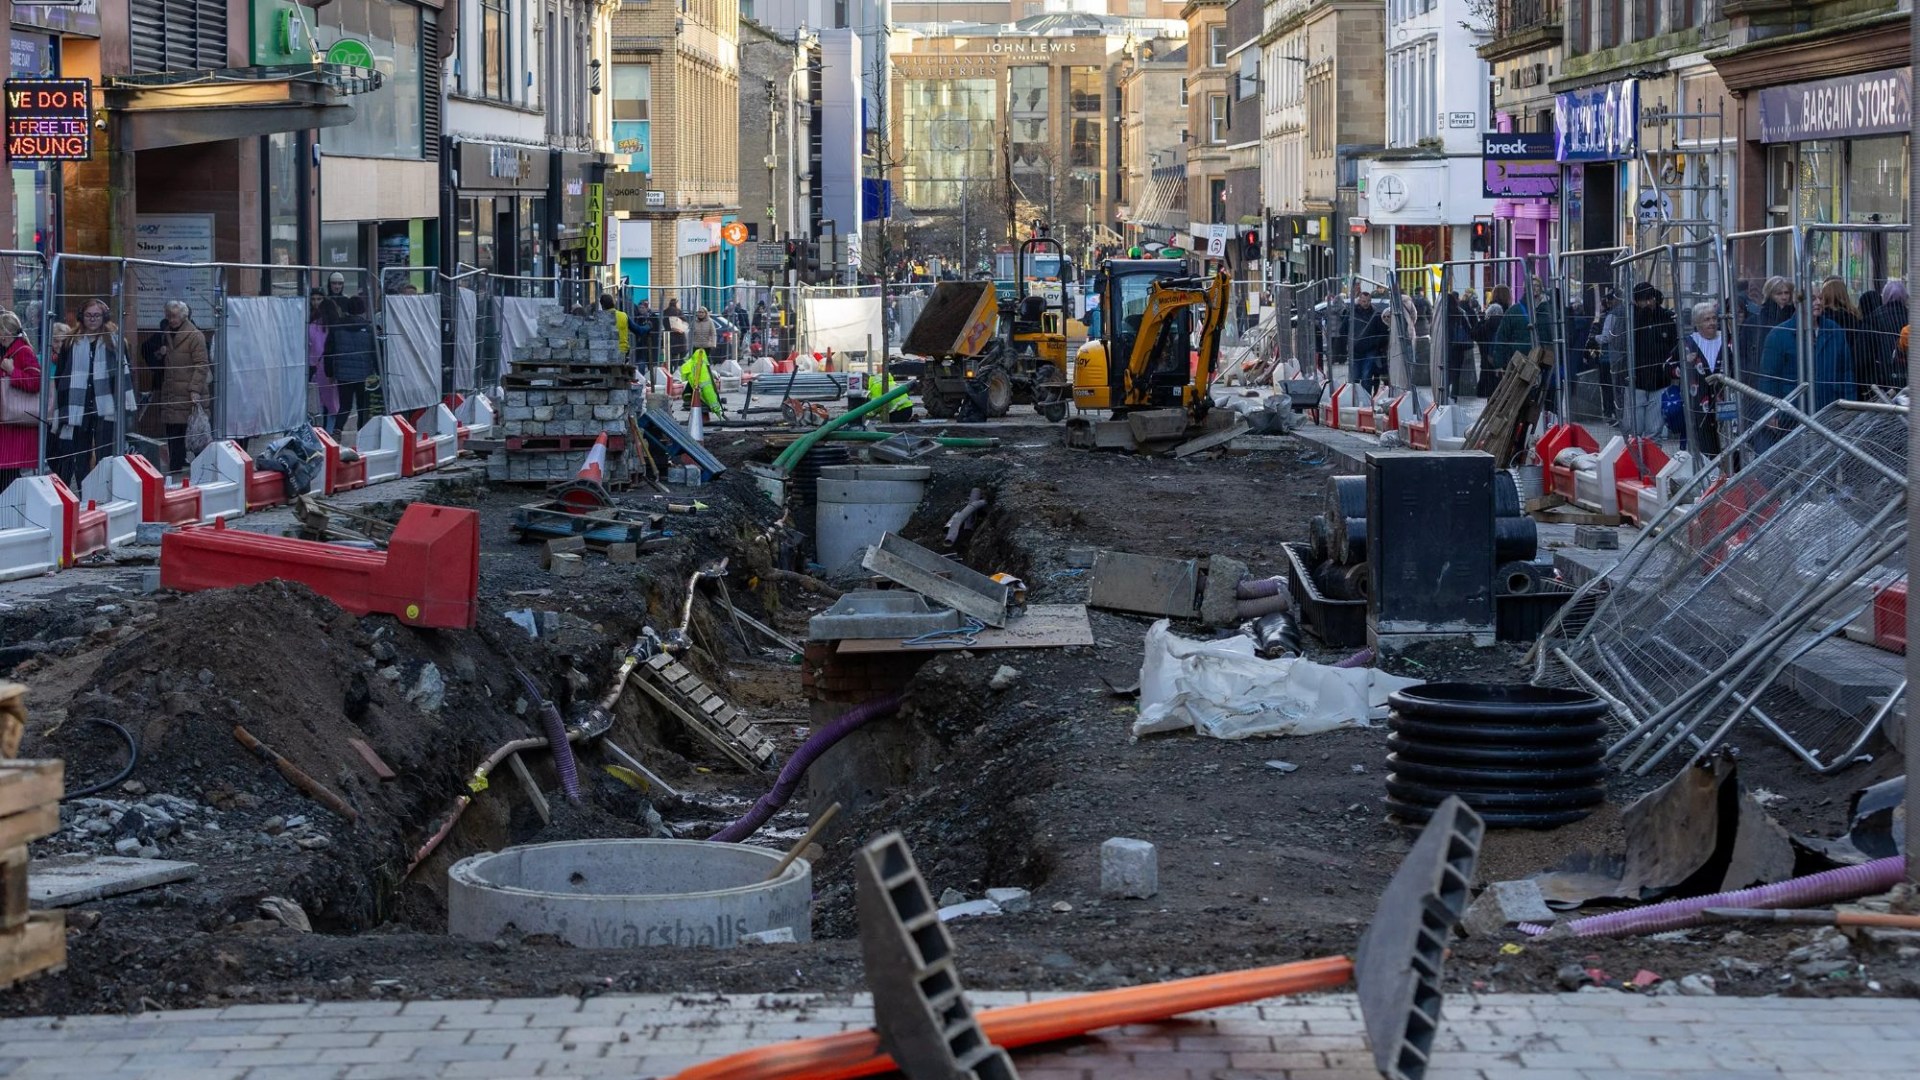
(158, 502)
(418, 453)
(1890, 618)
(428, 576)
(341, 475)
(265, 488)
(86, 527)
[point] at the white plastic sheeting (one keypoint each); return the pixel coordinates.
(843, 324)
(264, 367)
(466, 324)
(1220, 688)
(520, 322)
(413, 352)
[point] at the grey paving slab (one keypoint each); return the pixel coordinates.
(1504, 1037)
(66, 880)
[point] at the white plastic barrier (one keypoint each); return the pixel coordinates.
(439, 424)
(1602, 491)
(380, 444)
(220, 472)
(32, 527)
(113, 487)
(476, 413)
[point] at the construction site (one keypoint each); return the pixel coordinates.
(1245, 678)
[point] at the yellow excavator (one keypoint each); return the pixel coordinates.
(1158, 392)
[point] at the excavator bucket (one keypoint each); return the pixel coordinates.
(959, 320)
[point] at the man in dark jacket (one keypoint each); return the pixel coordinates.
(1655, 338)
(1370, 339)
(643, 324)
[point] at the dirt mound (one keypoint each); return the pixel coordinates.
(304, 678)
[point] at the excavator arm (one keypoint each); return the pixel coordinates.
(1165, 301)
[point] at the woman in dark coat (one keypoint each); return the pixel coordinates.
(1881, 367)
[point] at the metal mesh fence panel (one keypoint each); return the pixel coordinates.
(1734, 608)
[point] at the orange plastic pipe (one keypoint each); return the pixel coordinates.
(857, 1053)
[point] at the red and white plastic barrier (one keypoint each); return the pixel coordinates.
(221, 472)
(476, 416)
(115, 488)
(1351, 408)
(33, 525)
(380, 444)
(439, 426)
(345, 469)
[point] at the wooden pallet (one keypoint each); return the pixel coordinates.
(31, 943)
(706, 713)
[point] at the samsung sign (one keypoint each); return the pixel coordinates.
(1600, 124)
(1877, 103)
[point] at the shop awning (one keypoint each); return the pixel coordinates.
(182, 108)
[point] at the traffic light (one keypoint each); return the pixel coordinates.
(810, 263)
(1482, 237)
(796, 249)
(1250, 242)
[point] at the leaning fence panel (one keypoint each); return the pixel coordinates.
(1739, 607)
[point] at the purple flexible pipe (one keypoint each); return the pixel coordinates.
(1258, 588)
(563, 762)
(1842, 884)
(802, 759)
(1359, 659)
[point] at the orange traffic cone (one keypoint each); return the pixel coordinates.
(595, 468)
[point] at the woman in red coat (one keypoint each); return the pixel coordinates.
(19, 437)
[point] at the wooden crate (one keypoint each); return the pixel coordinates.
(30, 943)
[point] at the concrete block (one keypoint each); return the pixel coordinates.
(519, 412)
(538, 413)
(1129, 869)
(1219, 600)
(1145, 584)
(573, 545)
(150, 532)
(606, 412)
(567, 565)
(1503, 904)
(1596, 537)
(1011, 901)
(65, 880)
(623, 553)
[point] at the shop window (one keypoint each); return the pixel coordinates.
(389, 122)
(1877, 179)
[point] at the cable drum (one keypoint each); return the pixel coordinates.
(1347, 515)
(1515, 539)
(1506, 495)
(1520, 756)
(1320, 538)
(1519, 579)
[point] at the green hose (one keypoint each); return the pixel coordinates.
(951, 442)
(791, 455)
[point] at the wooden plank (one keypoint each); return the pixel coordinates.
(27, 784)
(1044, 626)
(534, 794)
(17, 830)
(13, 717)
(38, 948)
(372, 757)
(13, 888)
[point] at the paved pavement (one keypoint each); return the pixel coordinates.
(1497, 1037)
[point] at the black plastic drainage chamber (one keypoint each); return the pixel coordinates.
(1521, 756)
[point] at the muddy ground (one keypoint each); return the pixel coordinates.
(1257, 865)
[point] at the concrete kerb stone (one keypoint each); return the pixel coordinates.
(1219, 600)
(1503, 904)
(1129, 869)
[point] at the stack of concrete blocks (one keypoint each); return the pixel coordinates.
(568, 387)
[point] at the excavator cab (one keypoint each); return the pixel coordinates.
(1145, 369)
